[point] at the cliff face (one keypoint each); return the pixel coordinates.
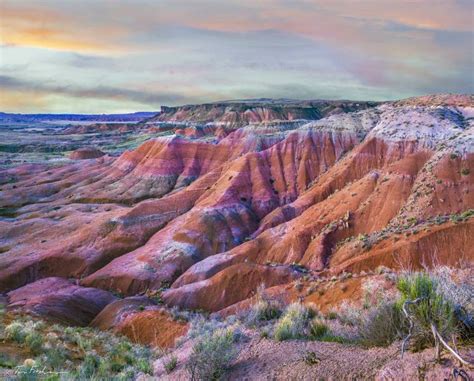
(215, 215)
(235, 114)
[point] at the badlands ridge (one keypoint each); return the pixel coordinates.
(238, 195)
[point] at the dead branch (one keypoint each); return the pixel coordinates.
(410, 320)
(436, 335)
(439, 338)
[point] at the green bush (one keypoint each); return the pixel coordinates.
(143, 365)
(89, 366)
(318, 329)
(294, 324)
(263, 310)
(6, 361)
(170, 364)
(201, 326)
(331, 338)
(426, 307)
(332, 315)
(120, 356)
(15, 332)
(34, 342)
(54, 358)
(212, 356)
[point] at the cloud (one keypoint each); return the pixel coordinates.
(102, 92)
(152, 52)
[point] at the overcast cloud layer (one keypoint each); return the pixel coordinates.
(119, 56)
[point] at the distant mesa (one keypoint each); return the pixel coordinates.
(86, 153)
(242, 112)
(18, 119)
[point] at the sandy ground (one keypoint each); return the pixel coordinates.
(266, 359)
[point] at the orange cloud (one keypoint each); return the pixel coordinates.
(21, 100)
(48, 28)
(50, 39)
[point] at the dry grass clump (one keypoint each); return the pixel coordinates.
(294, 323)
(201, 326)
(263, 310)
(170, 364)
(460, 294)
(212, 355)
(382, 326)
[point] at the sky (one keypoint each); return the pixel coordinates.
(103, 56)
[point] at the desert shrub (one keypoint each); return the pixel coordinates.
(332, 315)
(170, 364)
(54, 358)
(264, 309)
(331, 338)
(34, 342)
(350, 314)
(6, 361)
(430, 298)
(294, 324)
(181, 315)
(212, 355)
(373, 295)
(15, 332)
(89, 366)
(200, 326)
(373, 292)
(460, 295)
(428, 307)
(378, 322)
(382, 325)
(143, 365)
(318, 329)
(120, 356)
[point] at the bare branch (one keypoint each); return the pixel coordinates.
(410, 329)
(453, 352)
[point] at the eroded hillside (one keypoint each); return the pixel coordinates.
(238, 196)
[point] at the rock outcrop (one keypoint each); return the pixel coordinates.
(86, 153)
(59, 300)
(241, 113)
(141, 321)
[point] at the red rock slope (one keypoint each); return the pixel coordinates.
(216, 215)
